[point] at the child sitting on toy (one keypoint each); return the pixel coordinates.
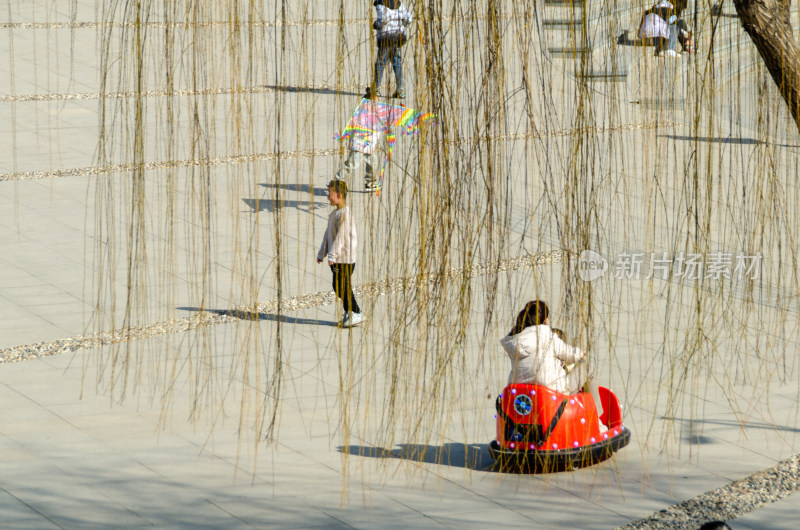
(539, 355)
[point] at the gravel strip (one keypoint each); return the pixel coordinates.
(102, 170)
(229, 24)
(239, 159)
(73, 96)
(295, 303)
(729, 502)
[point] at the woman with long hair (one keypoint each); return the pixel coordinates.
(539, 355)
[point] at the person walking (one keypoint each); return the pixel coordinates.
(392, 19)
(363, 146)
(339, 248)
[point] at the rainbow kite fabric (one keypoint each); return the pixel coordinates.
(372, 117)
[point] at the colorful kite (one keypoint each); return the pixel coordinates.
(371, 117)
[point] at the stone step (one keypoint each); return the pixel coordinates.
(561, 23)
(563, 26)
(603, 77)
(569, 52)
(575, 4)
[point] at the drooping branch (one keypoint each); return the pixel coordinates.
(767, 22)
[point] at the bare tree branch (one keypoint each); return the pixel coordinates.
(767, 23)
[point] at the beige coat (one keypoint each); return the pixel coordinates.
(537, 354)
(340, 240)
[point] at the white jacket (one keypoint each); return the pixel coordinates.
(653, 26)
(537, 354)
(391, 21)
(656, 24)
(340, 240)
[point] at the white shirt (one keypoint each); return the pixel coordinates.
(653, 26)
(365, 142)
(340, 240)
(392, 21)
(537, 353)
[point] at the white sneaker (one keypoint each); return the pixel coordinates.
(353, 320)
(672, 53)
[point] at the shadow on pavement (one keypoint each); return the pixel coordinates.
(737, 141)
(271, 205)
(312, 90)
(268, 317)
(473, 456)
(303, 188)
(694, 424)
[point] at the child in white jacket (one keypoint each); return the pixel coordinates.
(539, 355)
(392, 19)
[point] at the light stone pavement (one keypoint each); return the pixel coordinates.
(178, 446)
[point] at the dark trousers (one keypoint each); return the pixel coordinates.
(389, 52)
(343, 286)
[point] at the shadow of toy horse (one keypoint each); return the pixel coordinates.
(470, 456)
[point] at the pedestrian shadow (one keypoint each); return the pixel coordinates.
(302, 188)
(729, 140)
(739, 141)
(471, 456)
(273, 205)
(691, 424)
(264, 317)
(312, 90)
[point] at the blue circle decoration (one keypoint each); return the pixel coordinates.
(523, 405)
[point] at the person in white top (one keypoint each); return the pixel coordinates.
(339, 246)
(661, 25)
(363, 146)
(539, 355)
(390, 23)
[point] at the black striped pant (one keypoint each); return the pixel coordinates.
(343, 286)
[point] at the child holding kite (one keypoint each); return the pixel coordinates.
(363, 146)
(370, 136)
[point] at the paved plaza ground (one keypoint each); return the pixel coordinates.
(149, 378)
